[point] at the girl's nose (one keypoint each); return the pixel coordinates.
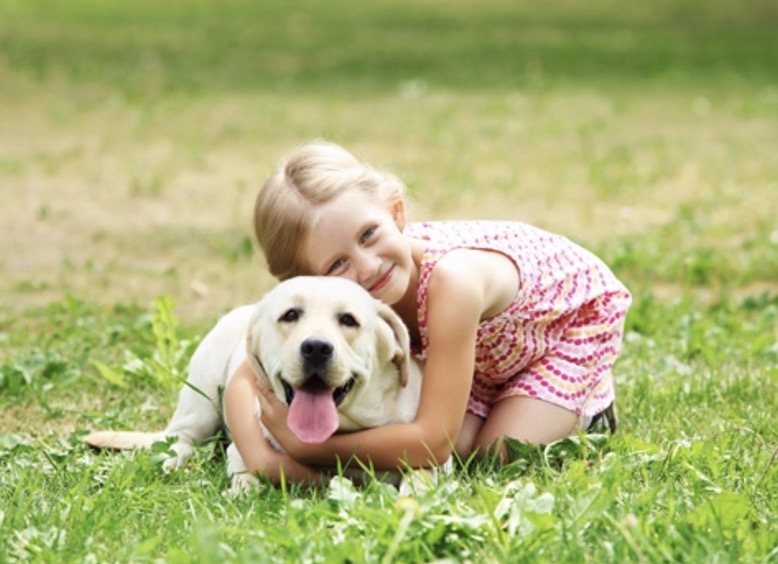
(366, 266)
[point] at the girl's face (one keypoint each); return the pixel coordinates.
(357, 239)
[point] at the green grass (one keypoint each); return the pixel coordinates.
(691, 476)
(135, 135)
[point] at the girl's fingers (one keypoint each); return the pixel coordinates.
(263, 388)
(259, 385)
(267, 399)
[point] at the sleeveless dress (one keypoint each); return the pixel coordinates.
(558, 339)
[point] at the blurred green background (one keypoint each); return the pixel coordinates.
(142, 48)
(136, 134)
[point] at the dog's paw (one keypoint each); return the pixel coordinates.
(243, 483)
(417, 482)
(176, 458)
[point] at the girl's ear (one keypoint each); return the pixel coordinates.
(397, 209)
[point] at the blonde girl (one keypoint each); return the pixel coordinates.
(519, 328)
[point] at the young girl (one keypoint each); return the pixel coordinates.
(518, 327)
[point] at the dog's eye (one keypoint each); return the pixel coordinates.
(291, 315)
(347, 320)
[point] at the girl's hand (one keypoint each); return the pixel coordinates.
(257, 453)
(273, 416)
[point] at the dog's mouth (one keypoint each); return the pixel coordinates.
(313, 408)
(316, 385)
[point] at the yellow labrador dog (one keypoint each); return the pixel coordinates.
(339, 358)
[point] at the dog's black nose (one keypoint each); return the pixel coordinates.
(316, 351)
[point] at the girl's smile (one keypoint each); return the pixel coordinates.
(382, 281)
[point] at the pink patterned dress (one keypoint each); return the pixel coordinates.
(558, 339)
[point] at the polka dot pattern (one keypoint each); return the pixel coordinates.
(558, 339)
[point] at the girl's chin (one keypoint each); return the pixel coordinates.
(384, 282)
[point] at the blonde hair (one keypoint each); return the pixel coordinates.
(311, 175)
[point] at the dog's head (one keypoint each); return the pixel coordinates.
(331, 351)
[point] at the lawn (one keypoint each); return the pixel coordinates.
(135, 135)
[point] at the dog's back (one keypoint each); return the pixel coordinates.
(198, 415)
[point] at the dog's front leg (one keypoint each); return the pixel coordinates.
(242, 481)
(195, 419)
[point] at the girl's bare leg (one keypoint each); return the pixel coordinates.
(528, 420)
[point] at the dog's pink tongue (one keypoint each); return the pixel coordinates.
(313, 417)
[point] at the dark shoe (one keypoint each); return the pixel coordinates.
(605, 420)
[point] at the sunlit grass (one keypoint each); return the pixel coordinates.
(691, 475)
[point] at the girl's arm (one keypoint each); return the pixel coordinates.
(455, 305)
(257, 453)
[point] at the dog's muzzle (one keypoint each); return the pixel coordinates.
(316, 354)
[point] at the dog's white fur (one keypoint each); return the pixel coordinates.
(371, 358)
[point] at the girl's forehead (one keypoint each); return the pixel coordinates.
(352, 205)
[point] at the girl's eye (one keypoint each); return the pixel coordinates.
(367, 234)
(337, 265)
(291, 315)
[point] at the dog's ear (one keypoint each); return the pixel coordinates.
(252, 347)
(402, 342)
